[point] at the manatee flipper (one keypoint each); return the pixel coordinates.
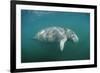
(62, 42)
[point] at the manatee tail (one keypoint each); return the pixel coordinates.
(35, 37)
(62, 42)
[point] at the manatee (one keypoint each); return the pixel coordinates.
(59, 34)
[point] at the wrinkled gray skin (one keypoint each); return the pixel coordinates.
(58, 34)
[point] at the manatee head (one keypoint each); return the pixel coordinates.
(72, 35)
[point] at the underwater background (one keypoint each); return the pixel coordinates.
(32, 21)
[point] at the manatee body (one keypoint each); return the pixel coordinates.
(59, 34)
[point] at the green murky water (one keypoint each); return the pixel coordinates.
(36, 51)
